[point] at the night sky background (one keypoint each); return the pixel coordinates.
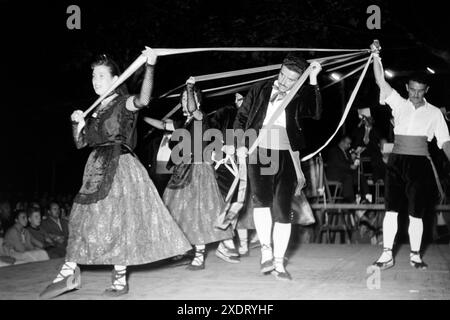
(46, 71)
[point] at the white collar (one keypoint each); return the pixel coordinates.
(424, 105)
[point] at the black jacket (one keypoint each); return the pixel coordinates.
(307, 103)
(338, 164)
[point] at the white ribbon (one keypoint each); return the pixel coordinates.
(163, 52)
(346, 111)
(166, 51)
(343, 77)
(228, 86)
(235, 73)
(349, 57)
(346, 64)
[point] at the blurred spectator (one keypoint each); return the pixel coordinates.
(368, 138)
(20, 244)
(56, 227)
(54, 249)
(44, 202)
(6, 220)
(343, 167)
(34, 205)
(67, 205)
(21, 205)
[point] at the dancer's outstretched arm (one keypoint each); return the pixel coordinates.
(385, 88)
(143, 99)
(160, 124)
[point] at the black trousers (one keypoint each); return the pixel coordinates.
(410, 181)
(273, 190)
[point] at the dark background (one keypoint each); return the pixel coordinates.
(46, 67)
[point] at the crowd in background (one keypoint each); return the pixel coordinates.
(33, 230)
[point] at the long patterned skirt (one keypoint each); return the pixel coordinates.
(130, 226)
(197, 205)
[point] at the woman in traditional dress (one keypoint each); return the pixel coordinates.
(192, 194)
(117, 217)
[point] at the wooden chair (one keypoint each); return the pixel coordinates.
(379, 185)
(333, 220)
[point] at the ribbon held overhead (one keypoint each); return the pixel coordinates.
(165, 51)
(346, 111)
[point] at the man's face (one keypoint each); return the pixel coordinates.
(346, 144)
(35, 219)
(287, 79)
(416, 92)
(54, 211)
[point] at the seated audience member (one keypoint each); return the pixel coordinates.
(5, 258)
(55, 226)
(21, 205)
(20, 244)
(368, 137)
(6, 221)
(343, 168)
(35, 205)
(54, 249)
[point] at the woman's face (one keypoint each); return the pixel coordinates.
(102, 79)
(35, 219)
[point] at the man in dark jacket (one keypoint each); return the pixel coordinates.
(272, 193)
(56, 227)
(342, 167)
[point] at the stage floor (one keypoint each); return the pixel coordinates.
(319, 271)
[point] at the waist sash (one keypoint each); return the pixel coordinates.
(417, 146)
(411, 145)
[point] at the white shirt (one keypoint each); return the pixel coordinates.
(58, 222)
(426, 120)
(276, 137)
(272, 107)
